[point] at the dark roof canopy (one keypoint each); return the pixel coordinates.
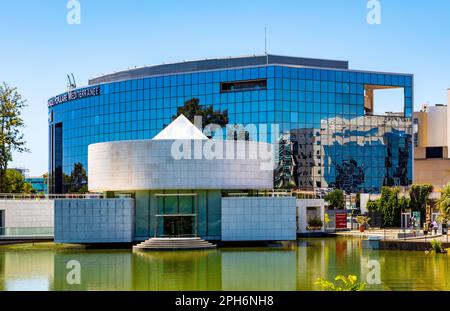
(218, 63)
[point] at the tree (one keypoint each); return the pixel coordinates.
(192, 108)
(335, 199)
(444, 204)
(11, 122)
(373, 206)
(77, 181)
(28, 188)
(419, 194)
(14, 182)
(390, 206)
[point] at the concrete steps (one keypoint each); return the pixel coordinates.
(168, 244)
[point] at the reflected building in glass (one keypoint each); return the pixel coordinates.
(329, 134)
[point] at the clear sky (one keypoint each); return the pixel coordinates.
(38, 47)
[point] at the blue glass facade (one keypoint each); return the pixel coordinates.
(39, 184)
(328, 137)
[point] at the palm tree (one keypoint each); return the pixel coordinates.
(444, 204)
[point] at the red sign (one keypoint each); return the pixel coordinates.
(341, 221)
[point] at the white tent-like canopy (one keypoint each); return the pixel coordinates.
(180, 128)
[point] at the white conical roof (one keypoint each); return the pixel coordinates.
(180, 128)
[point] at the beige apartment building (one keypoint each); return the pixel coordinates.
(431, 144)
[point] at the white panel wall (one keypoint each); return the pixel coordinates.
(149, 164)
(302, 205)
(448, 120)
(258, 219)
(94, 221)
(437, 125)
(28, 213)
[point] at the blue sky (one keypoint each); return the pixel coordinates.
(40, 48)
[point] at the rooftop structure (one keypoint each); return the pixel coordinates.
(218, 63)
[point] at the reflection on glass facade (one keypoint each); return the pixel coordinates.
(330, 136)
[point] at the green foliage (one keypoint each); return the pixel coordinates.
(390, 206)
(335, 199)
(14, 182)
(315, 222)
(373, 206)
(77, 181)
(11, 122)
(444, 204)
(28, 188)
(436, 246)
(326, 219)
(342, 283)
(419, 194)
(192, 108)
(362, 220)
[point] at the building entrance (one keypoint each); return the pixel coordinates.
(178, 226)
(176, 215)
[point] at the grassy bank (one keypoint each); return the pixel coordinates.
(41, 246)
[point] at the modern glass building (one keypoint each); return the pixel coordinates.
(329, 136)
(39, 184)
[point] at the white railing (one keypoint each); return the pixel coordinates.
(26, 197)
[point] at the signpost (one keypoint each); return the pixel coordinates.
(341, 220)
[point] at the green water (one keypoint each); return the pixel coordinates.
(284, 268)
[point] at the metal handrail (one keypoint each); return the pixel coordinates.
(16, 232)
(23, 196)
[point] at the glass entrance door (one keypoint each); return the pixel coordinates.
(176, 214)
(178, 226)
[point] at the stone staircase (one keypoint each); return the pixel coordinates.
(172, 244)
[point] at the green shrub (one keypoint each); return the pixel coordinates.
(362, 220)
(341, 283)
(335, 199)
(315, 222)
(436, 246)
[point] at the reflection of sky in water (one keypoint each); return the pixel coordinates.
(29, 284)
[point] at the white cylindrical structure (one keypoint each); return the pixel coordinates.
(179, 164)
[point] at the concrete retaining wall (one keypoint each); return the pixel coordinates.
(302, 206)
(258, 219)
(408, 246)
(94, 221)
(28, 213)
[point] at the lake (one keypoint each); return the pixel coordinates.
(293, 267)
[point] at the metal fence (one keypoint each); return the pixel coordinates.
(26, 197)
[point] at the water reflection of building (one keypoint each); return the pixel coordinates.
(312, 262)
(193, 271)
(209, 270)
(23, 271)
(98, 271)
(259, 270)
